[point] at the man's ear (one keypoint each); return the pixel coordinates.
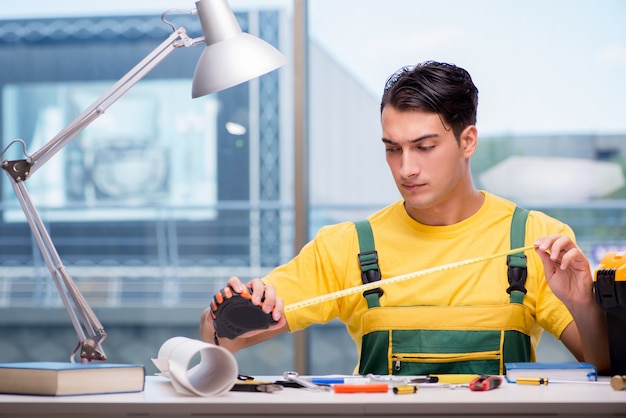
(469, 140)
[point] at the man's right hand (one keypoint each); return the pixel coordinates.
(261, 295)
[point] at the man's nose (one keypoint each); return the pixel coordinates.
(410, 166)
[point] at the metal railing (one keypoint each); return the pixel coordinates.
(173, 260)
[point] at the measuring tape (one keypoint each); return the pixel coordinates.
(234, 313)
(373, 285)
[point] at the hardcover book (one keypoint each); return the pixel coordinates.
(564, 371)
(60, 378)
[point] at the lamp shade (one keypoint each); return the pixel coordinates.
(231, 56)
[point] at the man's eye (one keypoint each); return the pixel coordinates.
(426, 147)
(394, 149)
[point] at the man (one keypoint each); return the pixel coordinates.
(470, 319)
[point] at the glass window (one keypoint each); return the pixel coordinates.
(156, 202)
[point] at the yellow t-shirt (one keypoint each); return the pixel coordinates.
(329, 263)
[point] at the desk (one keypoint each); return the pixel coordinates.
(160, 400)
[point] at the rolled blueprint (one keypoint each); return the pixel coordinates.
(214, 375)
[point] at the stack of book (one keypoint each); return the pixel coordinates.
(59, 378)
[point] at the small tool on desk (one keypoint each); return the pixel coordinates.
(256, 387)
(402, 380)
(443, 381)
(424, 379)
(390, 379)
(485, 382)
(361, 388)
(295, 377)
(289, 384)
(247, 383)
(405, 390)
(532, 380)
(339, 380)
(456, 378)
(618, 382)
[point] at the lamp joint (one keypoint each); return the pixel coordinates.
(18, 169)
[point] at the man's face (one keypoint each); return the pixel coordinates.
(428, 164)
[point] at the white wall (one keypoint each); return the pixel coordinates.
(347, 157)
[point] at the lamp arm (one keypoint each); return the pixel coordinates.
(91, 333)
(88, 328)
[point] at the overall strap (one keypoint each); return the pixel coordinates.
(368, 260)
(517, 262)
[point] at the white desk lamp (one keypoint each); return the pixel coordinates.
(231, 57)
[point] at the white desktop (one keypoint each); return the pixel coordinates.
(160, 399)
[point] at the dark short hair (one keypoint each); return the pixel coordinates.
(434, 87)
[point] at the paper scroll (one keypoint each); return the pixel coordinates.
(214, 375)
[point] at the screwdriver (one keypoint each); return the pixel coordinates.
(528, 380)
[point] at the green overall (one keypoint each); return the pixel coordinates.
(462, 339)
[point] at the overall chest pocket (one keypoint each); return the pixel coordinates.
(432, 339)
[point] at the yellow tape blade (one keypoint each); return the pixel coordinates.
(368, 286)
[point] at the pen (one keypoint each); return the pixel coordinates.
(365, 387)
(440, 385)
(402, 380)
(338, 380)
(424, 379)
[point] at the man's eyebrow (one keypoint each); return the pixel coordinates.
(412, 141)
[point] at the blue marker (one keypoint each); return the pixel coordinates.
(338, 380)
